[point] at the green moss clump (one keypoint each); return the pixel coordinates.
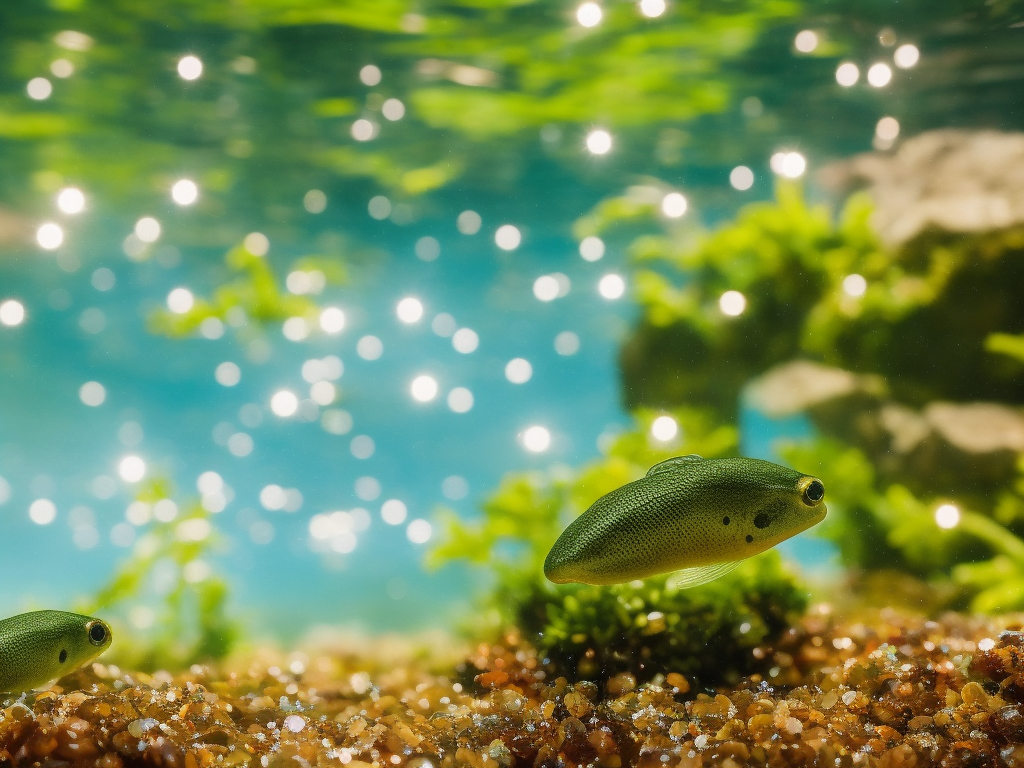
(707, 633)
(645, 628)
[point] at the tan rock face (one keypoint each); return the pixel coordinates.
(977, 441)
(957, 181)
(978, 427)
(797, 386)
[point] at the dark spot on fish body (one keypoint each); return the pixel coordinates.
(750, 539)
(761, 520)
(725, 520)
(63, 655)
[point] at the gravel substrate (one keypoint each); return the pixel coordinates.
(890, 690)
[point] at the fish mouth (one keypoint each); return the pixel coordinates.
(812, 520)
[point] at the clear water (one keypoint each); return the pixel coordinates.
(255, 131)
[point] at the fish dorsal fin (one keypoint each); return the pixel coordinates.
(702, 574)
(679, 462)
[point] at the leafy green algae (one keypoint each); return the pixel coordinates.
(192, 624)
(931, 325)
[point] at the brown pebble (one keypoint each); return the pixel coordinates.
(577, 704)
(677, 681)
(620, 684)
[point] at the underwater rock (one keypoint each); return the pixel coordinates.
(975, 443)
(952, 180)
(978, 427)
(797, 386)
(945, 444)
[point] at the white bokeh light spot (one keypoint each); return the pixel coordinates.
(49, 236)
(536, 439)
(423, 388)
(652, 8)
(518, 370)
(508, 237)
(409, 310)
(545, 288)
(741, 178)
(847, 74)
(591, 248)
(132, 468)
(71, 200)
(228, 374)
(947, 516)
(370, 75)
(906, 56)
(664, 428)
(674, 205)
(180, 301)
(599, 142)
(184, 192)
(369, 348)
(887, 129)
(611, 287)
(589, 14)
(147, 229)
(42, 512)
(393, 512)
(732, 303)
(12, 312)
(806, 41)
(460, 400)
(39, 88)
(854, 285)
(190, 67)
(879, 75)
(284, 403)
(332, 320)
(465, 340)
(419, 531)
(92, 393)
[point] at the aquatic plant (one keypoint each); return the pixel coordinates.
(922, 484)
(189, 622)
(644, 628)
(257, 294)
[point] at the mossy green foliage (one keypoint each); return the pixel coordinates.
(790, 259)
(879, 525)
(707, 633)
(645, 628)
(171, 561)
(938, 321)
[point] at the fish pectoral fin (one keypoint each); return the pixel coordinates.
(702, 574)
(677, 462)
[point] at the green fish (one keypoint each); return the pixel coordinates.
(699, 517)
(41, 646)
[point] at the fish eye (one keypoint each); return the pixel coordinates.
(813, 493)
(97, 633)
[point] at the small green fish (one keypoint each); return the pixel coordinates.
(41, 646)
(697, 516)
